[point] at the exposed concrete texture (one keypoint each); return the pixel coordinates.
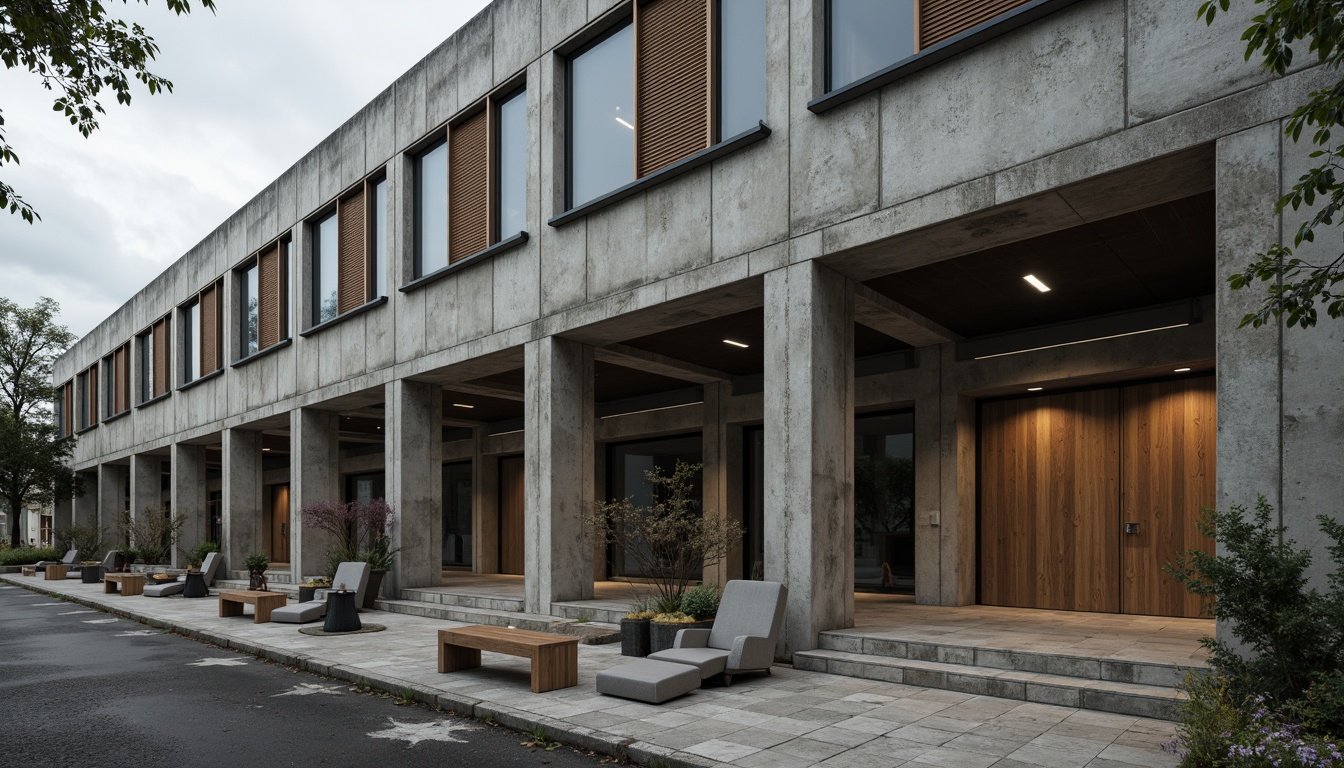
(557, 472)
(414, 413)
(475, 57)
(809, 447)
(241, 501)
(189, 498)
(63, 510)
(80, 509)
(110, 497)
(517, 35)
(146, 484)
(314, 460)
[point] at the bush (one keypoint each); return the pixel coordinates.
(673, 618)
(27, 555)
(257, 562)
(87, 539)
(702, 602)
(196, 555)
(153, 534)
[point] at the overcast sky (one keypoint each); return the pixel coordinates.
(255, 87)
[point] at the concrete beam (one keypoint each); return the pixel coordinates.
(652, 362)
(499, 390)
(886, 316)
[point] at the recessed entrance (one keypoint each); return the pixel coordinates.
(512, 505)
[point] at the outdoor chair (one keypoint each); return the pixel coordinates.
(68, 560)
(109, 562)
(352, 575)
(209, 567)
(743, 637)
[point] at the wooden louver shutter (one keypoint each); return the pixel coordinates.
(160, 358)
(469, 186)
(672, 82)
(119, 386)
(941, 19)
(268, 298)
(209, 330)
(352, 282)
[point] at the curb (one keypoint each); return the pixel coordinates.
(632, 750)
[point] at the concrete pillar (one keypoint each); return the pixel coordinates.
(189, 498)
(81, 509)
(63, 510)
(241, 496)
(146, 483)
(809, 447)
(413, 447)
(558, 416)
(110, 500)
(484, 508)
(929, 501)
(315, 475)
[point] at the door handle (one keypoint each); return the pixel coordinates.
(1131, 529)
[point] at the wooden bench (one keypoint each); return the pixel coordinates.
(231, 602)
(555, 658)
(55, 572)
(131, 583)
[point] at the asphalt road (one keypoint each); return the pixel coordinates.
(79, 687)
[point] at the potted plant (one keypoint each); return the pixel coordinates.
(664, 627)
(196, 555)
(360, 530)
(379, 558)
(635, 633)
(256, 564)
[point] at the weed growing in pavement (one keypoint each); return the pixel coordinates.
(540, 739)
(407, 696)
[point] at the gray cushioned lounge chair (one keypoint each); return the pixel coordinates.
(209, 567)
(352, 575)
(68, 560)
(743, 637)
(109, 562)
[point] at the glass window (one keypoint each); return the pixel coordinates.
(626, 469)
(512, 180)
(602, 117)
(431, 210)
(884, 503)
(81, 399)
(380, 238)
(868, 35)
(146, 352)
(325, 270)
(457, 514)
(250, 302)
(741, 66)
(287, 253)
(191, 357)
(109, 380)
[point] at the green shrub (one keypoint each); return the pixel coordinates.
(1210, 718)
(196, 555)
(27, 555)
(152, 533)
(673, 618)
(667, 604)
(256, 562)
(88, 539)
(701, 602)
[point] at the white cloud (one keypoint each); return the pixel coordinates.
(255, 88)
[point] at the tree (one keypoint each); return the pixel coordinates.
(1296, 285)
(33, 459)
(77, 50)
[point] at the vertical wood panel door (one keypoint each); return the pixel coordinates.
(1049, 502)
(511, 511)
(1168, 438)
(278, 527)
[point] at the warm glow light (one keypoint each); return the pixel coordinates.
(1182, 370)
(1035, 389)
(462, 405)
(1036, 283)
(1082, 341)
(735, 343)
(622, 121)
(265, 449)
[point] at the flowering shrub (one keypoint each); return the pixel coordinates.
(355, 528)
(1272, 741)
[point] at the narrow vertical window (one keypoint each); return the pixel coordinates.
(283, 297)
(326, 299)
(109, 393)
(865, 36)
(431, 210)
(741, 66)
(191, 356)
(250, 304)
(379, 220)
(145, 351)
(602, 117)
(511, 171)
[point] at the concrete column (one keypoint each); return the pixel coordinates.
(190, 500)
(63, 510)
(241, 497)
(315, 475)
(809, 447)
(558, 471)
(714, 480)
(146, 483)
(109, 500)
(81, 509)
(413, 447)
(484, 508)
(929, 501)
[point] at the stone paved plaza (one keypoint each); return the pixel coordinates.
(792, 718)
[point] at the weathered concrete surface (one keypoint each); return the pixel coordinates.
(110, 498)
(189, 498)
(414, 482)
(314, 465)
(241, 496)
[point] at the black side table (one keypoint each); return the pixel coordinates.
(342, 614)
(91, 574)
(195, 585)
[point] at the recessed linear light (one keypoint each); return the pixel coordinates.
(462, 405)
(1036, 283)
(1181, 370)
(622, 121)
(265, 449)
(1081, 341)
(735, 343)
(1035, 389)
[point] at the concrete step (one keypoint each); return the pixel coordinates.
(1062, 663)
(271, 585)
(582, 611)
(1100, 695)
(272, 577)
(437, 597)
(470, 615)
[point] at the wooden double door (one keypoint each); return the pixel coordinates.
(1085, 496)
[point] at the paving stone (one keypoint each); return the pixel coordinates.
(723, 751)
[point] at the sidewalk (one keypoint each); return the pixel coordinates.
(788, 720)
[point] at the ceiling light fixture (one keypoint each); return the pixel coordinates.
(265, 449)
(1081, 341)
(1035, 389)
(622, 121)
(1182, 370)
(735, 343)
(462, 405)
(1036, 283)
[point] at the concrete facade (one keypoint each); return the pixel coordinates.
(1098, 110)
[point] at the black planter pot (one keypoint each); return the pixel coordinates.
(371, 592)
(663, 636)
(635, 637)
(91, 574)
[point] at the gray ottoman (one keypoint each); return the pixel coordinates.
(649, 680)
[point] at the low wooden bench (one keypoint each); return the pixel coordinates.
(131, 583)
(55, 572)
(231, 602)
(555, 658)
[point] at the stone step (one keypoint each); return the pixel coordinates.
(1100, 695)
(272, 577)
(1061, 663)
(438, 597)
(470, 615)
(274, 586)
(582, 611)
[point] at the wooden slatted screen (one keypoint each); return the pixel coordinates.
(160, 364)
(209, 351)
(268, 297)
(121, 380)
(672, 82)
(941, 19)
(469, 186)
(352, 283)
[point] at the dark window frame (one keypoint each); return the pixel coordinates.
(616, 26)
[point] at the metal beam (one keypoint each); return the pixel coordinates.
(652, 362)
(886, 316)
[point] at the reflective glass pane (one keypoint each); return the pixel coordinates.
(286, 299)
(251, 311)
(868, 35)
(431, 210)
(457, 540)
(192, 335)
(602, 117)
(380, 238)
(741, 66)
(513, 166)
(325, 264)
(884, 503)
(629, 463)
